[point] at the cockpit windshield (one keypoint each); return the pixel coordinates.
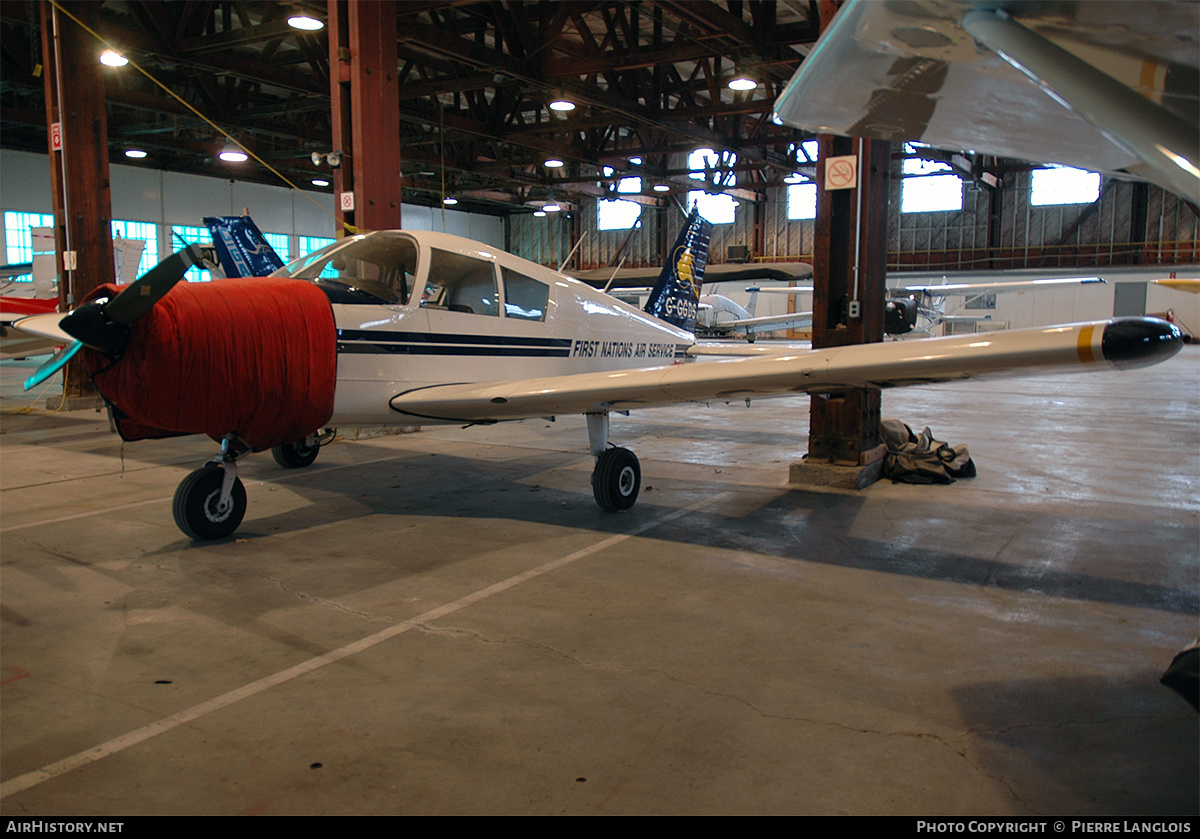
(381, 264)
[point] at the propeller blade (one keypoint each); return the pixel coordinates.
(149, 288)
(52, 365)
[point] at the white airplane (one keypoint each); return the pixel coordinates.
(416, 327)
(907, 303)
(743, 321)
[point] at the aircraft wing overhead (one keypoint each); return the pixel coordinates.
(1121, 342)
(918, 71)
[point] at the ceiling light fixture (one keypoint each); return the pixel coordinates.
(662, 188)
(303, 20)
(320, 182)
(112, 58)
(136, 154)
(554, 163)
(562, 105)
(551, 207)
(741, 81)
(233, 154)
(539, 213)
(449, 202)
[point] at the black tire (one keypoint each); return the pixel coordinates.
(296, 455)
(616, 480)
(195, 504)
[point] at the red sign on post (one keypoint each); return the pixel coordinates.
(56, 136)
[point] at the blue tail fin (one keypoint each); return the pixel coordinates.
(242, 250)
(676, 295)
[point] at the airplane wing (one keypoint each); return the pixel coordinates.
(769, 323)
(728, 272)
(1122, 342)
(19, 343)
(948, 289)
(1027, 85)
(1192, 285)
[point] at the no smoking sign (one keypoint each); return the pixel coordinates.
(841, 172)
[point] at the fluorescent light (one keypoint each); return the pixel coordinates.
(112, 58)
(136, 154)
(562, 105)
(306, 22)
(554, 163)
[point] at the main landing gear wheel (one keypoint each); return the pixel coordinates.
(197, 505)
(297, 455)
(616, 479)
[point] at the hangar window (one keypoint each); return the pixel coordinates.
(716, 209)
(925, 189)
(1063, 185)
(181, 236)
(629, 185)
(716, 169)
(18, 235)
(147, 231)
(802, 201)
(462, 284)
(280, 244)
(524, 297)
(617, 214)
(307, 244)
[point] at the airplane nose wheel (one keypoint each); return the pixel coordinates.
(198, 508)
(616, 479)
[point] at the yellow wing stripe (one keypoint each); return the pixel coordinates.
(1084, 345)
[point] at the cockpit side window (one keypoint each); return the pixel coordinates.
(524, 297)
(379, 264)
(461, 283)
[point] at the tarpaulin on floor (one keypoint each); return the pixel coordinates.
(254, 357)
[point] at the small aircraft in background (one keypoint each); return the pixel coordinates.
(417, 327)
(918, 307)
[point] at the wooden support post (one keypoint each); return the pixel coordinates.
(849, 293)
(78, 139)
(365, 103)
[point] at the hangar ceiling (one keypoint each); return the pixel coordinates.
(476, 78)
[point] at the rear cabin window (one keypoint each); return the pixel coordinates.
(460, 283)
(524, 297)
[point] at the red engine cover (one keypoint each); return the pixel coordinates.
(254, 357)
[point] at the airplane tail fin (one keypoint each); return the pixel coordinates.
(241, 248)
(676, 295)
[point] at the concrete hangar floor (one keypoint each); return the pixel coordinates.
(443, 622)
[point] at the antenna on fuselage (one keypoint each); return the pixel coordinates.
(567, 258)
